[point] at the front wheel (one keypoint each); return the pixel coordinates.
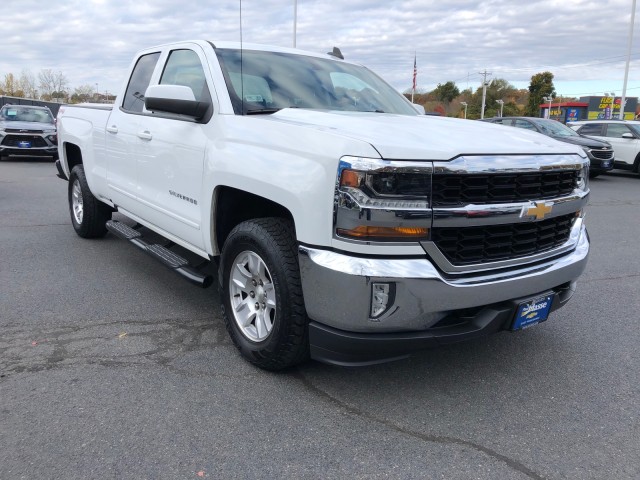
(88, 214)
(261, 294)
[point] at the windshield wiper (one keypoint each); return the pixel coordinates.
(259, 111)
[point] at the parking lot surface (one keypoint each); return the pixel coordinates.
(111, 366)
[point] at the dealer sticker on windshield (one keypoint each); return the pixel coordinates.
(532, 312)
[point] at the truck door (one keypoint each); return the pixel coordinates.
(171, 154)
(122, 135)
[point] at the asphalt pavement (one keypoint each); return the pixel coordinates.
(111, 366)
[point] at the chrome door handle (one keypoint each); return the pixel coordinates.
(146, 135)
(112, 129)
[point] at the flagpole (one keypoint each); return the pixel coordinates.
(415, 72)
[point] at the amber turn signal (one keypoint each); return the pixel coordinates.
(363, 232)
(350, 178)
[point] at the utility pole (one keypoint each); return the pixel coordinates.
(484, 90)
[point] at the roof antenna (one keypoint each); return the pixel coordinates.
(336, 53)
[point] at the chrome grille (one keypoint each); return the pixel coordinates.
(602, 154)
(472, 245)
(20, 130)
(463, 189)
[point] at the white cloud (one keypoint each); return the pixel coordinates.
(93, 42)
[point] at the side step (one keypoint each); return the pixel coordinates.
(170, 259)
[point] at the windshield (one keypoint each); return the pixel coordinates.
(556, 129)
(25, 114)
(635, 127)
(269, 81)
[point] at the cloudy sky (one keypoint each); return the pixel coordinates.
(583, 42)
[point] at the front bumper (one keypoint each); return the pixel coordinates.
(600, 166)
(429, 308)
(51, 151)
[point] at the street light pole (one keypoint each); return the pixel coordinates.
(464, 104)
(548, 99)
(623, 100)
(295, 21)
(501, 103)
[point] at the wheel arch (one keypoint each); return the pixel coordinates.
(72, 155)
(232, 206)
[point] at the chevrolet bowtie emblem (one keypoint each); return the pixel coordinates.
(540, 210)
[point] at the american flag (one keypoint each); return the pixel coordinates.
(415, 72)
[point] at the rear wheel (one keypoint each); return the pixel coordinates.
(88, 215)
(262, 294)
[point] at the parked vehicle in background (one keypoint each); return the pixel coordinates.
(27, 130)
(349, 228)
(600, 152)
(623, 135)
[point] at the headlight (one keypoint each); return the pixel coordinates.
(382, 201)
(583, 178)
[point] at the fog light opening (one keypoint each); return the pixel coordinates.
(382, 298)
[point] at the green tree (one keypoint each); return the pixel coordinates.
(446, 92)
(500, 89)
(541, 86)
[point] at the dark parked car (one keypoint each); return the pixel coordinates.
(27, 130)
(600, 153)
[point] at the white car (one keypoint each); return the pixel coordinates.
(623, 135)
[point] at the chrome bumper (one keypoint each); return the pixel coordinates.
(338, 288)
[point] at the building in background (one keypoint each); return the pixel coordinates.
(600, 107)
(565, 112)
(590, 108)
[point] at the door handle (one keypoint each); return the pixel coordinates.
(112, 129)
(145, 135)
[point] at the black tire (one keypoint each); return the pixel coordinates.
(273, 241)
(594, 174)
(91, 223)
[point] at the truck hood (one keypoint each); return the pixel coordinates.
(422, 137)
(13, 125)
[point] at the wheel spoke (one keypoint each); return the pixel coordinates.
(243, 313)
(261, 326)
(242, 269)
(240, 277)
(254, 264)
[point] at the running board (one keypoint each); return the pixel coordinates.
(168, 258)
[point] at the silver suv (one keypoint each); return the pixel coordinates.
(27, 130)
(623, 135)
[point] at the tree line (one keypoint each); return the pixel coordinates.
(47, 85)
(447, 99)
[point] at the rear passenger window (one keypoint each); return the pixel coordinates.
(184, 68)
(524, 124)
(139, 81)
(591, 129)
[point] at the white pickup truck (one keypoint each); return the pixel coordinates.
(348, 228)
